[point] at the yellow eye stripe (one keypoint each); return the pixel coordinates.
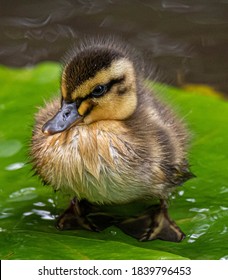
(118, 68)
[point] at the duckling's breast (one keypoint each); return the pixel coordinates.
(110, 161)
(98, 162)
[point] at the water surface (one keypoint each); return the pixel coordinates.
(184, 41)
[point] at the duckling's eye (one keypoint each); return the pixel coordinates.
(99, 91)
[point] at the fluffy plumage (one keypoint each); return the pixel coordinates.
(125, 145)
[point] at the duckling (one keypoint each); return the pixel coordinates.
(108, 140)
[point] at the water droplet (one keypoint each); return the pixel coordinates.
(213, 218)
(191, 200)
(199, 210)
(45, 215)
(52, 202)
(27, 214)
(191, 240)
(196, 235)
(181, 193)
(40, 204)
(223, 208)
(15, 166)
(225, 230)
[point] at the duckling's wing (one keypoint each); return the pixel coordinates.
(179, 174)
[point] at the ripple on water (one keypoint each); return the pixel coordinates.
(23, 194)
(199, 210)
(6, 212)
(199, 231)
(199, 217)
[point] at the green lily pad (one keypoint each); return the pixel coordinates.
(28, 209)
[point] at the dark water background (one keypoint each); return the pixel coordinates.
(187, 41)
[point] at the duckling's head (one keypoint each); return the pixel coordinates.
(98, 83)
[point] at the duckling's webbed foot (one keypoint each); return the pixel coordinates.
(75, 217)
(152, 224)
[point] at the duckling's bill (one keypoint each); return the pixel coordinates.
(66, 117)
